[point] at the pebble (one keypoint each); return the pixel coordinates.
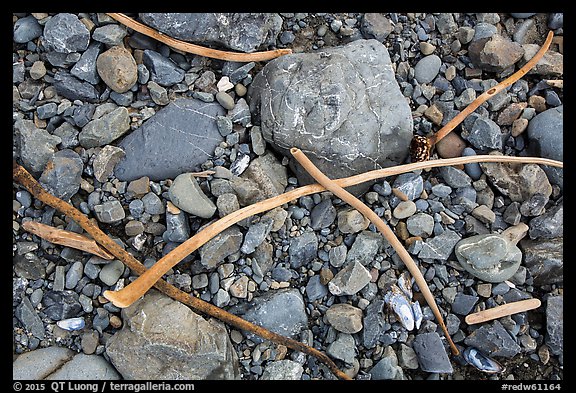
(38, 70)
(117, 68)
(349, 280)
(351, 221)
(431, 353)
(345, 318)
(451, 146)
(63, 174)
(186, 194)
(26, 29)
(162, 69)
(225, 100)
(111, 35)
(427, 69)
(111, 272)
(65, 33)
(404, 209)
(105, 162)
(110, 212)
(106, 129)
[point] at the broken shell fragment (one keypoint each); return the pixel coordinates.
(71, 324)
(481, 362)
(401, 306)
(418, 315)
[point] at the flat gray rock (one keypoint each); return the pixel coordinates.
(86, 367)
(318, 101)
(494, 340)
(36, 146)
(431, 353)
(555, 324)
(544, 259)
(177, 139)
(245, 32)
(284, 369)
(40, 363)
(65, 33)
(63, 174)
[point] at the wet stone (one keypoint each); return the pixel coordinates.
(303, 249)
(494, 340)
(431, 353)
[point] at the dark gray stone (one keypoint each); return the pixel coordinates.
(549, 225)
(299, 104)
(63, 174)
(162, 69)
(109, 34)
(427, 68)
(555, 324)
(85, 68)
(484, 135)
(36, 146)
(220, 246)
(322, 215)
(546, 139)
(431, 353)
(26, 313)
(494, 340)
(47, 111)
(110, 212)
(315, 289)
(463, 304)
(374, 323)
(177, 227)
(240, 114)
(280, 311)
(411, 184)
(106, 129)
(544, 259)
(387, 367)
(167, 137)
(153, 204)
(27, 29)
(61, 305)
(244, 32)
(343, 348)
(365, 247)
(303, 249)
(455, 177)
(28, 266)
(256, 234)
(69, 86)
(65, 33)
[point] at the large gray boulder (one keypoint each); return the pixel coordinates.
(245, 32)
(163, 339)
(341, 106)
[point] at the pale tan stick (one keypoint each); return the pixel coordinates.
(203, 173)
(133, 291)
(197, 49)
(559, 83)
(66, 238)
(22, 176)
(357, 204)
(502, 311)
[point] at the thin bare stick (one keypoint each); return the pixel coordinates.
(421, 146)
(133, 291)
(197, 49)
(357, 204)
(66, 238)
(23, 177)
(502, 311)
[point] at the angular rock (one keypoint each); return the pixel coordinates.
(256, 234)
(549, 225)
(244, 32)
(36, 146)
(110, 212)
(68, 135)
(485, 135)
(463, 304)
(180, 137)
(315, 289)
(322, 215)
(163, 339)
(65, 33)
(67, 85)
(555, 324)
(106, 129)
(280, 311)
(352, 221)
(490, 257)
(177, 227)
(546, 139)
(26, 29)
(374, 323)
(343, 348)
(550, 65)
(28, 266)
(387, 367)
(351, 279)
(431, 353)
(117, 68)
(299, 104)
(63, 174)
(26, 313)
(410, 184)
(345, 318)
(111, 35)
(162, 69)
(376, 25)
(495, 53)
(420, 224)
(365, 247)
(494, 340)
(186, 194)
(303, 249)
(267, 174)
(105, 162)
(85, 68)
(544, 259)
(220, 246)
(284, 369)
(60, 305)
(454, 177)
(440, 246)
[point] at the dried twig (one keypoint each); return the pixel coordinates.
(197, 49)
(130, 293)
(357, 204)
(502, 311)
(66, 238)
(421, 147)
(25, 179)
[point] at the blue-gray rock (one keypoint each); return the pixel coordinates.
(85, 68)
(256, 234)
(68, 135)
(343, 348)
(110, 212)
(224, 124)
(244, 32)
(61, 304)
(546, 139)
(63, 174)
(18, 74)
(162, 69)
(303, 249)
(47, 111)
(349, 280)
(220, 246)
(186, 194)
(27, 315)
(555, 324)
(240, 113)
(36, 146)
(177, 227)
(463, 304)
(26, 29)
(441, 190)
(556, 20)
(69, 86)
(387, 367)
(427, 68)
(153, 204)
(522, 15)
(420, 224)
(74, 274)
(548, 225)
(494, 340)
(472, 169)
(298, 104)
(544, 259)
(111, 272)
(431, 353)
(175, 146)
(111, 35)
(280, 311)
(82, 114)
(490, 257)
(171, 342)
(315, 289)
(455, 177)
(280, 273)
(322, 215)
(376, 25)
(440, 246)
(106, 129)
(286, 37)
(282, 370)
(65, 33)
(411, 184)
(365, 247)
(241, 72)
(374, 323)
(485, 135)
(28, 266)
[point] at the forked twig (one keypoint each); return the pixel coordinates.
(502, 311)
(66, 238)
(357, 204)
(133, 291)
(27, 181)
(197, 49)
(421, 147)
